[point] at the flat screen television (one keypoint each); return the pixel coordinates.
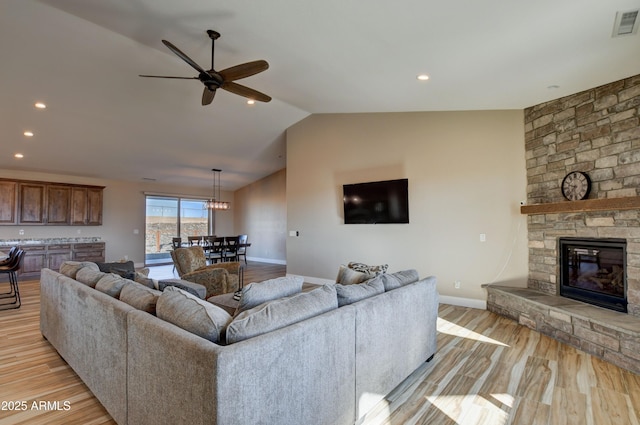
(376, 202)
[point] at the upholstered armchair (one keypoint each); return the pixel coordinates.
(220, 278)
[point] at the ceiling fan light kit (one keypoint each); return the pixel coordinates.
(224, 79)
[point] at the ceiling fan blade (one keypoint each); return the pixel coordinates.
(184, 57)
(244, 70)
(207, 96)
(245, 91)
(164, 76)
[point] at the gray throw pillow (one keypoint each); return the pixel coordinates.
(112, 284)
(255, 294)
(192, 314)
(140, 297)
(349, 294)
(282, 312)
(398, 279)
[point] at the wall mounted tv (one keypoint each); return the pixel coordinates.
(376, 202)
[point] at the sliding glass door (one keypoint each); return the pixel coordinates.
(168, 218)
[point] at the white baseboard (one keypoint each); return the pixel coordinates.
(267, 260)
(463, 302)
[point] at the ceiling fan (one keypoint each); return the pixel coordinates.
(224, 79)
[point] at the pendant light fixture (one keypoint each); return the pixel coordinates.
(215, 203)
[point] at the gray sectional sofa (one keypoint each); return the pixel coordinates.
(329, 369)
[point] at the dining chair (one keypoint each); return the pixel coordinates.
(230, 252)
(11, 300)
(10, 257)
(216, 250)
(242, 247)
(176, 243)
(194, 240)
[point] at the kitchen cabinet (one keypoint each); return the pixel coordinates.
(45, 203)
(37, 257)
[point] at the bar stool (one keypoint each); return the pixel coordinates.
(10, 257)
(11, 299)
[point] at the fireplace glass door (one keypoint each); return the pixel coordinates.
(593, 271)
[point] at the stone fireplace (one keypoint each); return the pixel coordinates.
(597, 132)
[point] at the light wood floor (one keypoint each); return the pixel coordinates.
(488, 370)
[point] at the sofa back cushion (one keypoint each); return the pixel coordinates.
(349, 294)
(89, 276)
(398, 279)
(192, 314)
(281, 312)
(255, 294)
(112, 284)
(140, 297)
(71, 268)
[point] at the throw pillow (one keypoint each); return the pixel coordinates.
(255, 294)
(282, 312)
(89, 276)
(398, 279)
(363, 268)
(349, 294)
(347, 276)
(192, 314)
(140, 297)
(125, 269)
(146, 281)
(111, 284)
(71, 268)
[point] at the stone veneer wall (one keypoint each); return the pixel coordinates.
(596, 131)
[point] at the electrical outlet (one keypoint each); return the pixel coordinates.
(483, 237)
(21, 232)
(456, 284)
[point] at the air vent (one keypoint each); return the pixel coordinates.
(626, 23)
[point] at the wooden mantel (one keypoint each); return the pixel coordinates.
(606, 204)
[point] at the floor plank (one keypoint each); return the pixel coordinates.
(488, 370)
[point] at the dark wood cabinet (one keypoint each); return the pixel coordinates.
(45, 203)
(35, 259)
(58, 254)
(58, 204)
(88, 251)
(8, 202)
(31, 206)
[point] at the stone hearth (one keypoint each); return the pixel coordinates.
(610, 335)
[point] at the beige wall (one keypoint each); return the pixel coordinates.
(466, 174)
(260, 211)
(124, 212)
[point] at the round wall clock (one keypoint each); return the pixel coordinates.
(576, 186)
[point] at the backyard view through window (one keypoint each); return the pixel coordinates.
(168, 218)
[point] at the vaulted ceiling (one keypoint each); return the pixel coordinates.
(83, 57)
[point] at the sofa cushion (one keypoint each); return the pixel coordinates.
(122, 268)
(255, 294)
(89, 276)
(112, 284)
(349, 294)
(347, 276)
(192, 314)
(140, 297)
(282, 312)
(71, 268)
(143, 279)
(398, 279)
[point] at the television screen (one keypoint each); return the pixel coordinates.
(376, 202)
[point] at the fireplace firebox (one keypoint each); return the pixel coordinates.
(594, 271)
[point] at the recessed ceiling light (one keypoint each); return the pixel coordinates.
(423, 77)
(28, 133)
(18, 155)
(251, 102)
(40, 105)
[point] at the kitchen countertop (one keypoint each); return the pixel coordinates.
(47, 241)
